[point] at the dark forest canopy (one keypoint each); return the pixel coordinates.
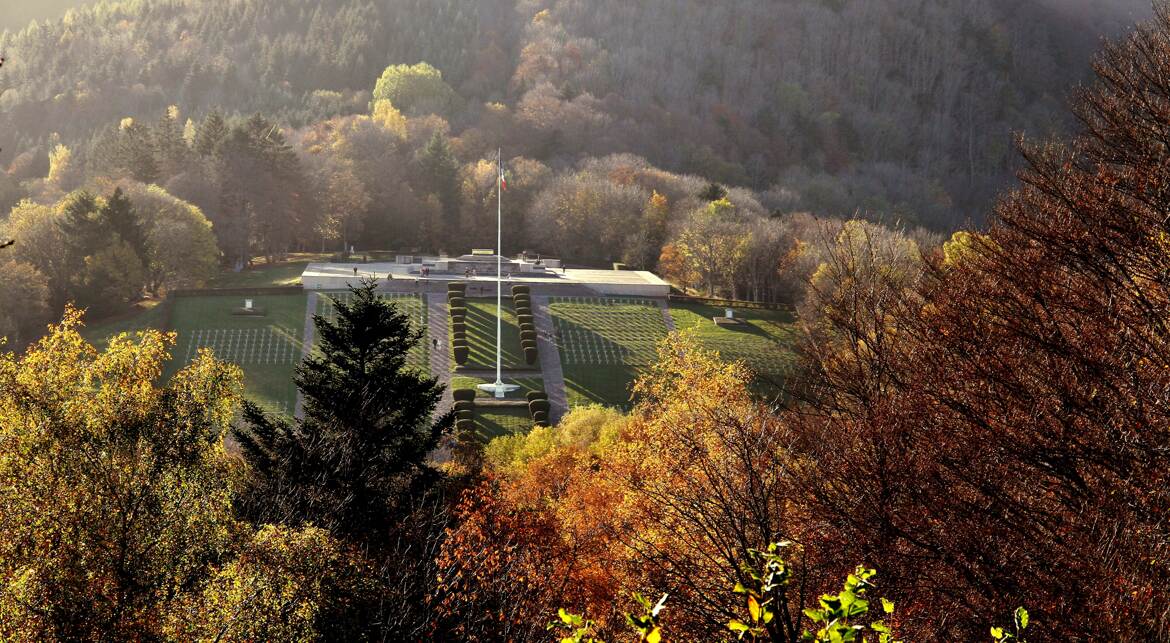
(898, 108)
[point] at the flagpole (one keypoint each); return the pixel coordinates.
(499, 265)
(499, 389)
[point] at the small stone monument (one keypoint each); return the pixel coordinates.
(249, 310)
(728, 320)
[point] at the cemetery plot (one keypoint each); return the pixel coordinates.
(603, 342)
(602, 331)
(242, 346)
(763, 341)
(266, 347)
(409, 303)
(481, 336)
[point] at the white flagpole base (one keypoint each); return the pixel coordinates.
(499, 389)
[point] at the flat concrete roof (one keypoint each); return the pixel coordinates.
(331, 273)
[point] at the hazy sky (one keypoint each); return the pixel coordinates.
(15, 14)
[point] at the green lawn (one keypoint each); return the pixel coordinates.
(604, 342)
(409, 303)
(267, 348)
(481, 336)
(147, 316)
(526, 384)
(286, 273)
(495, 422)
(764, 343)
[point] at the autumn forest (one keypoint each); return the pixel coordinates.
(940, 229)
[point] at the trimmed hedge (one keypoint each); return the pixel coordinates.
(530, 355)
(536, 406)
(540, 418)
(458, 328)
(536, 395)
(528, 334)
(457, 286)
(528, 342)
(461, 353)
(458, 311)
(457, 302)
(465, 415)
(464, 405)
(521, 288)
(465, 426)
(522, 299)
(463, 395)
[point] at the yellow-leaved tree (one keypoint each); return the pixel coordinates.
(116, 520)
(114, 490)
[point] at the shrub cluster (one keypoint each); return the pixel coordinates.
(457, 305)
(522, 300)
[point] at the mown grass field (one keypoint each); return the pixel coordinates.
(146, 316)
(526, 384)
(267, 348)
(764, 342)
(495, 422)
(603, 343)
(286, 273)
(409, 303)
(481, 336)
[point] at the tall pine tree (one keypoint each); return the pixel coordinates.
(359, 454)
(439, 175)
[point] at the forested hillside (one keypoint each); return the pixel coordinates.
(901, 108)
(19, 15)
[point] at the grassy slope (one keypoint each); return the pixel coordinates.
(495, 422)
(262, 276)
(764, 343)
(148, 315)
(481, 336)
(414, 308)
(268, 384)
(625, 335)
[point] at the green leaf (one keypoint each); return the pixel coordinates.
(888, 606)
(1022, 617)
(737, 626)
(997, 633)
(753, 608)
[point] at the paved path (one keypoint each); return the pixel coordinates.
(666, 315)
(440, 359)
(309, 337)
(550, 360)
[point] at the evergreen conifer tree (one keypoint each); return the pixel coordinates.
(359, 454)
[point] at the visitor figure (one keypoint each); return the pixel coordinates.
(355, 271)
(435, 343)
